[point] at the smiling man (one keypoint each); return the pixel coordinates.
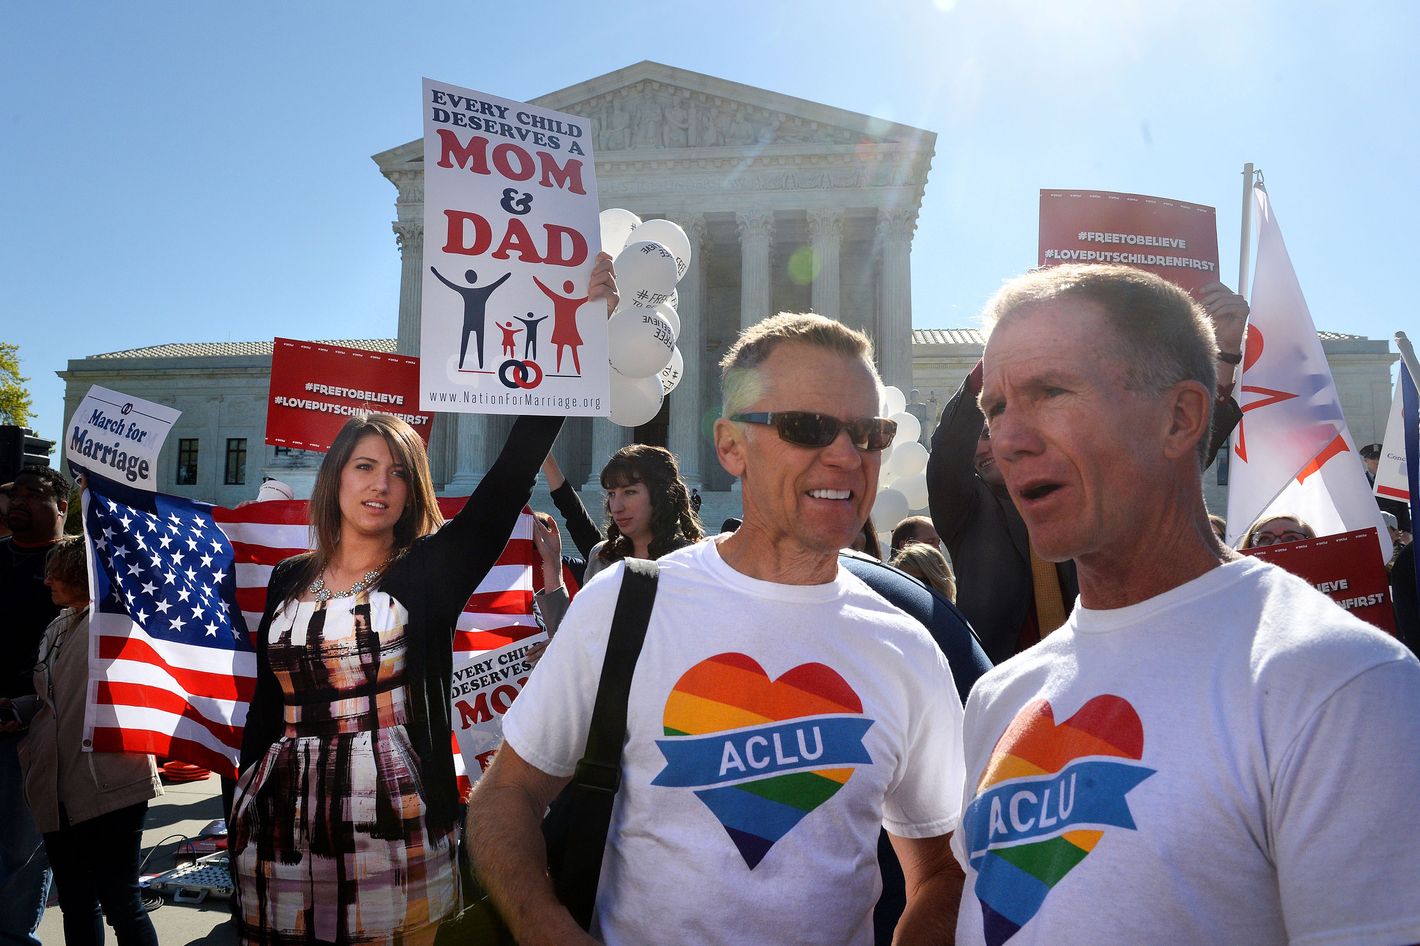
(1208, 750)
(781, 713)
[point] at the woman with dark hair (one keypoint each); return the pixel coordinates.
(343, 824)
(648, 514)
(89, 805)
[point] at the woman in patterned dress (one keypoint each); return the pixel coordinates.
(343, 824)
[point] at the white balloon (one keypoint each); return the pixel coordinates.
(893, 400)
(639, 342)
(914, 488)
(645, 273)
(909, 428)
(671, 236)
(666, 311)
(890, 508)
(671, 374)
(616, 227)
(674, 300)
(634, 401)
(909, 459)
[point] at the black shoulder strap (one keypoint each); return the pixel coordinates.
(577, 826)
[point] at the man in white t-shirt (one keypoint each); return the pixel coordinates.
(781, 713)
(1209, 750)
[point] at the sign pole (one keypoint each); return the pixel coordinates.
(1245, 244)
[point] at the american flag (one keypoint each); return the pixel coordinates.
(171, 664)
(499, 612)
(180, 690)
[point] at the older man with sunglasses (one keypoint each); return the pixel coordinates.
(780, 712)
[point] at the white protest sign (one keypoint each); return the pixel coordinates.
(1392, 482)
(511, 232)
(485, 683)
(119, 437)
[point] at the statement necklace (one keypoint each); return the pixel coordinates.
(324, 594)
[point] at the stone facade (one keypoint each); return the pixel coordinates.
(789, 205)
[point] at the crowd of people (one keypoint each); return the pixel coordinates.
(1177, 743)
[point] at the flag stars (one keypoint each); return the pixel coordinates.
(135, 569)
(149, 588)
(219, 576)
(216, 547)
(191, 575)
(169, 578)
(162, 606)
(165, 541)
(126, 521)
(183, 594)
(191, 544)
(177, 623)
(141, 617)
(211, 629)
(206, 561)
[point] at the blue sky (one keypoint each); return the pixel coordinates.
(201, 172)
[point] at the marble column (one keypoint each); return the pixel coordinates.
(409, 234)
(686, 406)
(826, 240)
(756, 231)
(894, 339)
(607, 438)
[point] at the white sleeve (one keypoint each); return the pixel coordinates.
(547, 724)
(925, 800)
(1345, 805)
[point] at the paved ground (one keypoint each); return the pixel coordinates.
(185, 810)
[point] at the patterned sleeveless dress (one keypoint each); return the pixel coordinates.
(330, 842)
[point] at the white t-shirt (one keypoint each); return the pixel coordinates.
(771, 730)
(1236, 760)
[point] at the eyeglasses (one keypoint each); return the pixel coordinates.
(1281, 538)
(806, 429)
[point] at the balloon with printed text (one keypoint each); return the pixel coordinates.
(639, 341)
(670, 235)
(671, 374)
(645, 273)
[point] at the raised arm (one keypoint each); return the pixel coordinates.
(453, 286)
(1228, 312)
(580, 527)
(951, 468)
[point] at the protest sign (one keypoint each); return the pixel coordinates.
(119, 437)
(316, 387)
(1392, 482)
(511, 235)
(484, 686)
(1174, 239)
(1347, 567)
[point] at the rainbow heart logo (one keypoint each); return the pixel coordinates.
(1047, 796)
(761, 754)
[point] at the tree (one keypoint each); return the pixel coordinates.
(14, 396)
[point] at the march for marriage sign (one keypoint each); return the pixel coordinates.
(511, 234)
(118, 436)
(1172, 238)
(1347, 567)
(316, 387)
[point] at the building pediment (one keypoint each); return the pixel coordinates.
(649, 106)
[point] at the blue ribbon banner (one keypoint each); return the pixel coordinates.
(1085, 793)
(814, 743)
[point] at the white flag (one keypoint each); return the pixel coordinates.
(1392, 481)
(1292, 452)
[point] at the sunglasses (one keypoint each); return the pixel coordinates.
(806, 429)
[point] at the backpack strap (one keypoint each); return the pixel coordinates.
(592, 792)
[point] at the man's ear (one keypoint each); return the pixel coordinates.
(1190, 408)
(730, 447)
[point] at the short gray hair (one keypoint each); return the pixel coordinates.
(1161, 336)
(740, 384)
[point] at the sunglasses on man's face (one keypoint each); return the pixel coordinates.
(806, 429)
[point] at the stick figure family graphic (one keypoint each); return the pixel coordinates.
(475, 314)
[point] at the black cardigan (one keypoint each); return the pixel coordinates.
(433, 581)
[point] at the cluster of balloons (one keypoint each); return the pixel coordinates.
(902, 484)
(650, 257)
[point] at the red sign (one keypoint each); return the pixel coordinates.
(316, 387)
(1176, 240)
(1347, 567)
